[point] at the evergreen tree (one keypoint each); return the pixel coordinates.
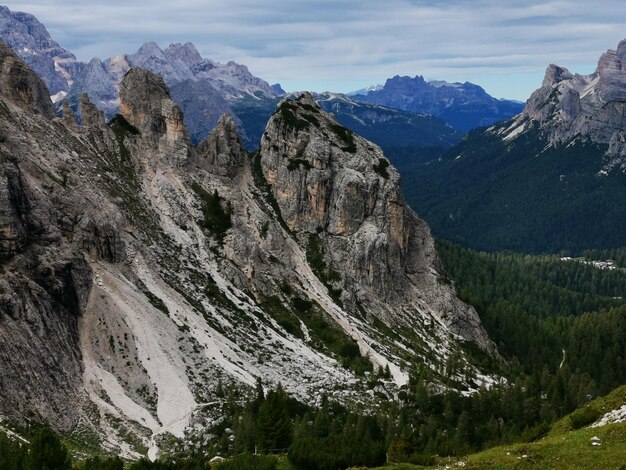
(274, 427)
(47, 452)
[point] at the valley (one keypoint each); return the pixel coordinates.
(200, 270)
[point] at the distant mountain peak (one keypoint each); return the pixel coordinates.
(32, 42)
(462, 105)
(571, 106)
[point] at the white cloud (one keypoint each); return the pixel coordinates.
(348, 44)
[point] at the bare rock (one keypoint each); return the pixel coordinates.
(222, 153)
(146, 104)
(20, 85)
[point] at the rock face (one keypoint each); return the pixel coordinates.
(463, 105)
(139, 272)
(20, 84)
(586, 107)
(146, 104)
(333, 185)
(31, 41)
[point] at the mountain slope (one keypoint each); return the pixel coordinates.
(547, 180)
(463, 105)
(30, 39)
(161, 270)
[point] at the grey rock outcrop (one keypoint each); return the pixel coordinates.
(90, 115)
(146, 104)
(332, 184)
(222, 153)
(20, 85)
(589, 107)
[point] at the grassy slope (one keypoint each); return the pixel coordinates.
(562, 448)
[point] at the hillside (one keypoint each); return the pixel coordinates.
(548, 180)
(160, 270)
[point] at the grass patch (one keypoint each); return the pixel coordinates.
(153, 299)
(315, 257)
(216, 219)
(287, 111)
(327, 337)
(282, 315)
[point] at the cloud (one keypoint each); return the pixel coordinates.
(347, 44)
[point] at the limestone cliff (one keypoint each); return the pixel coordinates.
(590, 108)
(138, 271)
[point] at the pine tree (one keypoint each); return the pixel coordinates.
(47, 452)
(274, 427)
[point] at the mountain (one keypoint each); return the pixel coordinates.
(464, 106)
(140, 273)
(389, 128)
(549, 179)
(30, 39)
(203, 88)
(365, 91)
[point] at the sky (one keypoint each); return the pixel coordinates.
(344, 45)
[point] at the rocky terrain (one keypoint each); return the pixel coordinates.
(570, 107)
(140, 272)
(31, 41)
(462, 105)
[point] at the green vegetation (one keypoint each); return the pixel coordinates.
(536, 307)
(282, 315)
(153, 299)
(288, 110)
(381, 168)
(216, 219)
(346, 136)
(329, 338)
(522, 195)
(328, 276)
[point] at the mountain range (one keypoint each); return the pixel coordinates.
(205, 89)
(196, 264)
(549, 179)
(464, 106)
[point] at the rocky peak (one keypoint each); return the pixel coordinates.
(612, 74)
(555, 74)
(146, 104)
(20, 85)
(32, 42)
(90, 115)
(68, 115)
(187, 53)
(222, 153)
(571, 106)
(150, 49)
(336, 187)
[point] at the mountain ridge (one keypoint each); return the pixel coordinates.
(162, 269)
(546, 180)
(463, 105)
